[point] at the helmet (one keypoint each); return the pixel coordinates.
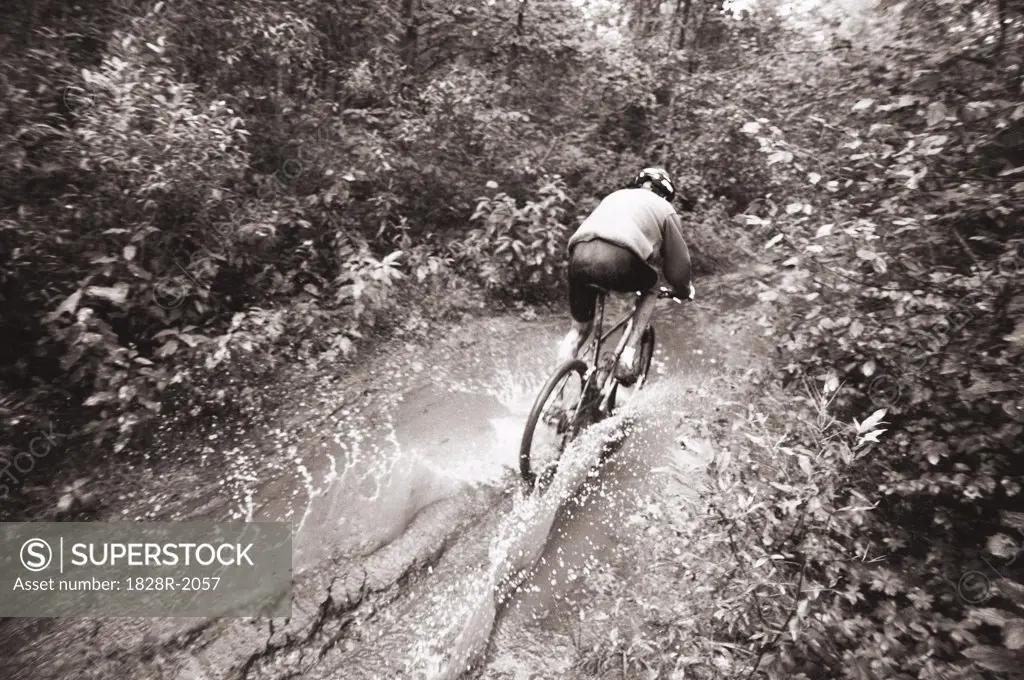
(660, 182)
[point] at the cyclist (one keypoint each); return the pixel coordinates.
(631, 242)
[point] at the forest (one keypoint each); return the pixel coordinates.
(197, 194)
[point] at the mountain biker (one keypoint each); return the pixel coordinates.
(631, 242)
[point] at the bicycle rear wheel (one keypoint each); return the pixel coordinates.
(552, 422)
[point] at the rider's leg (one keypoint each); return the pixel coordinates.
(582, 303)
(574, 339)
(642, 318)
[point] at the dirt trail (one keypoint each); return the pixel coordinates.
(536, 633)
(411, 530)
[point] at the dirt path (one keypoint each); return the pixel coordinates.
(408, 525)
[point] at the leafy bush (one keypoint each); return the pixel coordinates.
(899, 281)
(890, 219)
(519, 251)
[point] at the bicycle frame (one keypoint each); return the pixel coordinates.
(594, 402)
(599, 337)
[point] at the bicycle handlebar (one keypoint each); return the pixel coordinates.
(667, 293)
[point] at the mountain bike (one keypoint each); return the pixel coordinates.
(578, 394)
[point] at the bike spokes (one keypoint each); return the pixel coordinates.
(555, 425)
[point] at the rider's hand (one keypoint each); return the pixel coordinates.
(692, 293)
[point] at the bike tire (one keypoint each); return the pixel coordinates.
(647, 341)
(526, 464)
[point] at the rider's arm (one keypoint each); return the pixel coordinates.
(676, 257)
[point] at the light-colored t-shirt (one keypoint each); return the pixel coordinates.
(647, 225)
(632, 218)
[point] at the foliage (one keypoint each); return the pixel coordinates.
(751, 558)
(917, 245)
(892, 220)
(519, 249)
(198, 186)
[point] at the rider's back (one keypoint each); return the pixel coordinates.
(632, 218)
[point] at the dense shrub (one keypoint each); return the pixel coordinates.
(519, 251)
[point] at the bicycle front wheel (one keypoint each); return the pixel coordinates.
(551, 423)
(646, 355)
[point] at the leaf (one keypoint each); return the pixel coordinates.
(863, 104)
(129, 252)
(345, 345)
(69, 305)
(813, 177)
(1002, 546)
(751, 128)
(871, 421)
(903, 102)
(99, 398)
(1012, 171)
(933, 145)
(1017, 337)
(167, 349)
(915, 178)
(865, 254)
(65, 502)
(805, 464)
(868, 369)
(831, 384)
(774, 239)
(870, 437)
(824, 230)
(1013, 635)
(993, 658)
(780, 157)
(116, 294)
(935, 114)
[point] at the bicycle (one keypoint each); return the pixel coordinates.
(594, 401)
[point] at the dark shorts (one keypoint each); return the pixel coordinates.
(607, 266)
